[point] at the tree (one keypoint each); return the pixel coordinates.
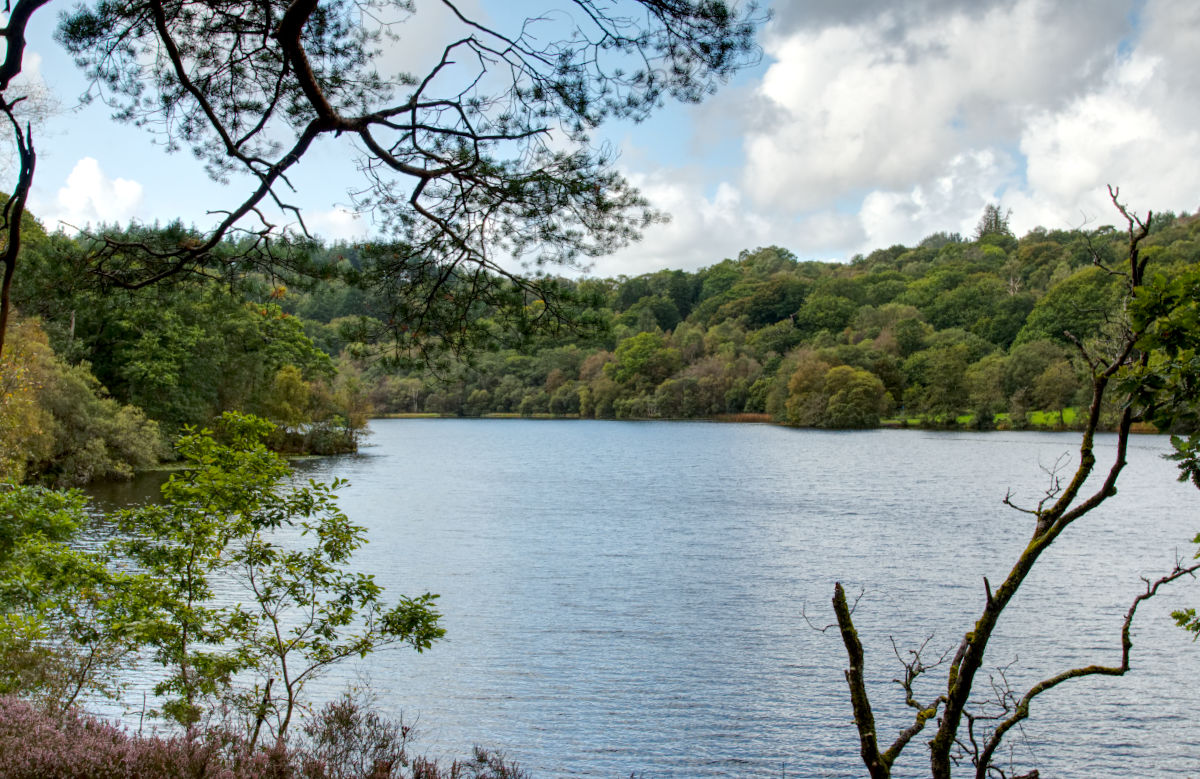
(65, 614)
(910, 335)
(1055, 388)
(12, 215)
(993, 222)
(938, 382)
(58, 425)
(1121, 369)
(985, 391)
(824, 311)
(24, 423)
(806, 398)
(651, 312)
(1026, 362)
(644, 361)
(1166, 310)
(485, 155)
(975, 298)
(857, 398)
(223, 516)
(1080, 305)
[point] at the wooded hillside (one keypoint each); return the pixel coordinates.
(954, 331)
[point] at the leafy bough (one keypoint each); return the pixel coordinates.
(231, 514)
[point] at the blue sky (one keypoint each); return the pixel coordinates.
(867, 124)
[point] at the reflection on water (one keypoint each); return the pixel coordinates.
(114, 494)
(627, 597)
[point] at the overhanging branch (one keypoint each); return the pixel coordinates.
(1021, 710)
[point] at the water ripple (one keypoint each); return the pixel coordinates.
(627, 597)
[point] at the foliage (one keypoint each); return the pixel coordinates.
(56, 422)
(1168, 310)
(950, 328)
(184, 352)
(643, 359)
(1167, 313)
(70, 620)
(1079, 307)
(806, 398)
(64, 614)
(231, 513)
(857, 398)
(341, 741)
(23, 422)
(967, 330)
(937, 381)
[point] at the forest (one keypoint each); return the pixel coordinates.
(982, 331)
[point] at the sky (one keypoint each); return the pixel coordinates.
(865, 125)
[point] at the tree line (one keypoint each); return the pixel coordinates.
(98, 380)
(982, 332)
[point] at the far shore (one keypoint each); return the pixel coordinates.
(1143, 428)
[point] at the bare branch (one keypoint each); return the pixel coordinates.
(14, 39)
(13, 214)
(811, 624)
(864, 718)
(1065, 507)
(1021, 710)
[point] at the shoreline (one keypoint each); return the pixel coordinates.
(1140, 428)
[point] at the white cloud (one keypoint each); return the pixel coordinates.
(337, 224)
(707, 228)
(1137, 129)
(703, 229)
(876, 129)
(91, 197)
(951, 202)
(850, 109)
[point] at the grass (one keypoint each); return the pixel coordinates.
(1051, 418)
(1035, 420)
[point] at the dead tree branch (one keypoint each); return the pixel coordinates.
(1064, 503)
(1020, 711)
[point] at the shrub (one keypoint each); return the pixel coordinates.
(35, 745)
(343, 741)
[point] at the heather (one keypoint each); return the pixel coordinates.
(340, 742)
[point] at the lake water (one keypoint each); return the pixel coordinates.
(630, 598)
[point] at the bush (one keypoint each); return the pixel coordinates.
(343, 741)
(35, 745)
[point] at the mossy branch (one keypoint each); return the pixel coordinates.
(1021, 710)
(864, 718)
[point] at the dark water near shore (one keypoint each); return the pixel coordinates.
(630, 597)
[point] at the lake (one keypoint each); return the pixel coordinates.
(644, 598)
